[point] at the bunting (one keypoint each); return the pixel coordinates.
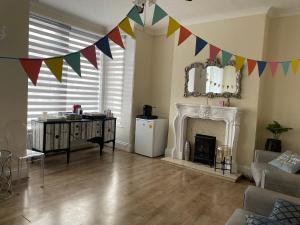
(115, 36)
(183, 35)
(103, 46)
(126, 27)
(172, 27)
(135, 16)
(90, 54)
(73, 60)
(55, 66)
(295, 65)
(213, 52)
(226, 57)
(273, 67)
(261, 67)
(158, 14)
(32, 68)
(251, 65)
(285, 67)
(239, 62)
(200, 44)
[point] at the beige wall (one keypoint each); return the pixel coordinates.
(280, 94)
(13, 88)
(241, 36)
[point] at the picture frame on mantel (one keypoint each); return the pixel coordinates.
(198, 86)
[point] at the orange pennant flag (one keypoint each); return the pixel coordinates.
(239, 62)
(183, 35)
(251, 65)
(55, 65)
(126, 27)
(172, 27)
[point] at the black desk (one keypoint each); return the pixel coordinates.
(56, 136)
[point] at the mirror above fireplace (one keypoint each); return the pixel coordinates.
(212, 79)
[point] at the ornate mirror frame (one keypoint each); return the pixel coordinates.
(217, 63)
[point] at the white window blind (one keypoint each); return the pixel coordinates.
(48, 39)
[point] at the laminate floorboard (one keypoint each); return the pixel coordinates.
(119, 189)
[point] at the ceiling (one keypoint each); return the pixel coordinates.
(109, 12)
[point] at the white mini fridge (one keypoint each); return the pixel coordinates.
(151, 137)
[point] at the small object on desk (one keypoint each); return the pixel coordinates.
(5, 174)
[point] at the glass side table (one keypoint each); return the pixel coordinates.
(32, 155)
(5, 174)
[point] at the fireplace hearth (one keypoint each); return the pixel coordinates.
(205, 147)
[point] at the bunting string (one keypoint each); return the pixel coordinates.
(32, 66)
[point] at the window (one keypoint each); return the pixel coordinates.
(95, 90)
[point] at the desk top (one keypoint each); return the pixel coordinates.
(73, 121)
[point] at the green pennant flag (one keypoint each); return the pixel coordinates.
(158, 14)
(73, 60)
(226, 56)
(135, 16)
(285, 67)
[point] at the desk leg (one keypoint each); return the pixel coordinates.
(101, 147)
(68, 156)
(114, 145)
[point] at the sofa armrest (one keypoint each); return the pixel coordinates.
(263, 156)
(261, 201)
(282, 182)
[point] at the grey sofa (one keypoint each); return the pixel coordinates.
(258, 201)
(269, 177)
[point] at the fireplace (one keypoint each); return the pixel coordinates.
(205, 147)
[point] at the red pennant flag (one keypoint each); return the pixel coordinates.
(251, 65)
(213, 52)
(90, 54)
(115, 36)
(183, 35)
(273, 67)
(32, 68)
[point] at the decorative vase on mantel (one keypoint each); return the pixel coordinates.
(187, 151)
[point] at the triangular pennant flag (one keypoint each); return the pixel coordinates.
(239, 62)
(73, 60)
(285, 66)
(273, 67)
(295, 65)
(135, 15)
(158, 14)
(200, 44)
(55, 65)
(226, 56)
(183, 35)
(172, 27)
(32, 68)
(261, 67)
(103, 45)
(213, 52)
(126, 27)
(251, 65)
(90, 54)
(115, 36)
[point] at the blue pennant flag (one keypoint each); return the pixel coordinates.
(135, 16)
(200, 44)
(158, 15)
(103, 45)
(261, 67)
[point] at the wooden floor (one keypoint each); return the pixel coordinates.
(120, 188)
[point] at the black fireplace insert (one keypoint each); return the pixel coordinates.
(205, 147)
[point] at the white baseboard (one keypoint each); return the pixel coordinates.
(124, 146)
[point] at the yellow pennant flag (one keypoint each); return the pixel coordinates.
(239, 62)
(55, 65)
(126, 27)
(173, 26)
(295, 65)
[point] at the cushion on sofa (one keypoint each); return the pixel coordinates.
(262, 220)
(287, 161)
(286, 211)
(257, 171)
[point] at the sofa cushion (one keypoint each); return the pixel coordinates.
(262, 220)
(257, 171)
(238, 217)
(286, 211)
(287, 161)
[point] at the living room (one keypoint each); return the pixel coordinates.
(149, 112)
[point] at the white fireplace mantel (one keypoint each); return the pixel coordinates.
(230, 115)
